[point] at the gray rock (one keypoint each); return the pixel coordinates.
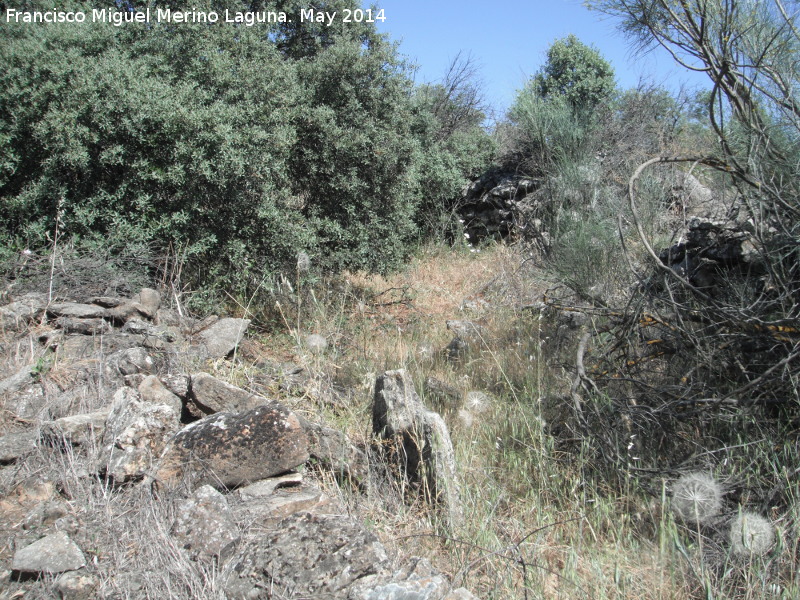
(19, 380)
(153, 391)
(204, 525)
(75, 585)
(77, 430)
(416, 580)
(76, 310)
(467, 330)
(149, 301)
(313, 556)
(220, 339)
(50, 555)
(210, 395)
(14, 446)
(177, 384)
(22, 311)
(286, 499)
(419, 442)
(228, 450)
(135, 434)
(129, 361)
(72, 325)
(334, 452)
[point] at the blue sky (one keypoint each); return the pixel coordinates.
(509, 38)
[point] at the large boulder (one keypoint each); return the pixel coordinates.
(417, 441)
(227, 450)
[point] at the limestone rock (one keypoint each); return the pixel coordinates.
(135, 434)
(16, 445)
(220, 339)
(232, 449)
(204, 524)
(419, 441)
(53, 554)
(210, 395)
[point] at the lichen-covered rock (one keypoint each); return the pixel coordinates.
(313, 556)
(226, 450)
(50, 555)
(76, 310)
(418, 441)
(204, 525)
(336, 453)
(135, 434)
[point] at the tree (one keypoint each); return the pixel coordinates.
(575, 72)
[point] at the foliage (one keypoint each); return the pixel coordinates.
(232, 146)
(577, 73)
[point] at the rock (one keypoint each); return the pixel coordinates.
(75, 585)
(204, 525)
(419, 442)
(153, 391)
(76, 310)
(457, 349)
(220, 339)
(14, 446)
(210, 395)
(467, 330)
(149, 302)
(287, 498)
(22, 311)
(267, 487)
(77, 430)
(316, 343)
(135, 434)
(231, 449)
(334, 452)
(177, 384)
(312, 556)
(19, 380)
(417, 580)
(442, 393)
(73, 325)
(50, 555)
(130, 361)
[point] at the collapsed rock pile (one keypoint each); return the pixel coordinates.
(114, 386)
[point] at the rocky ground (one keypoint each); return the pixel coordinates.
(127, 470)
